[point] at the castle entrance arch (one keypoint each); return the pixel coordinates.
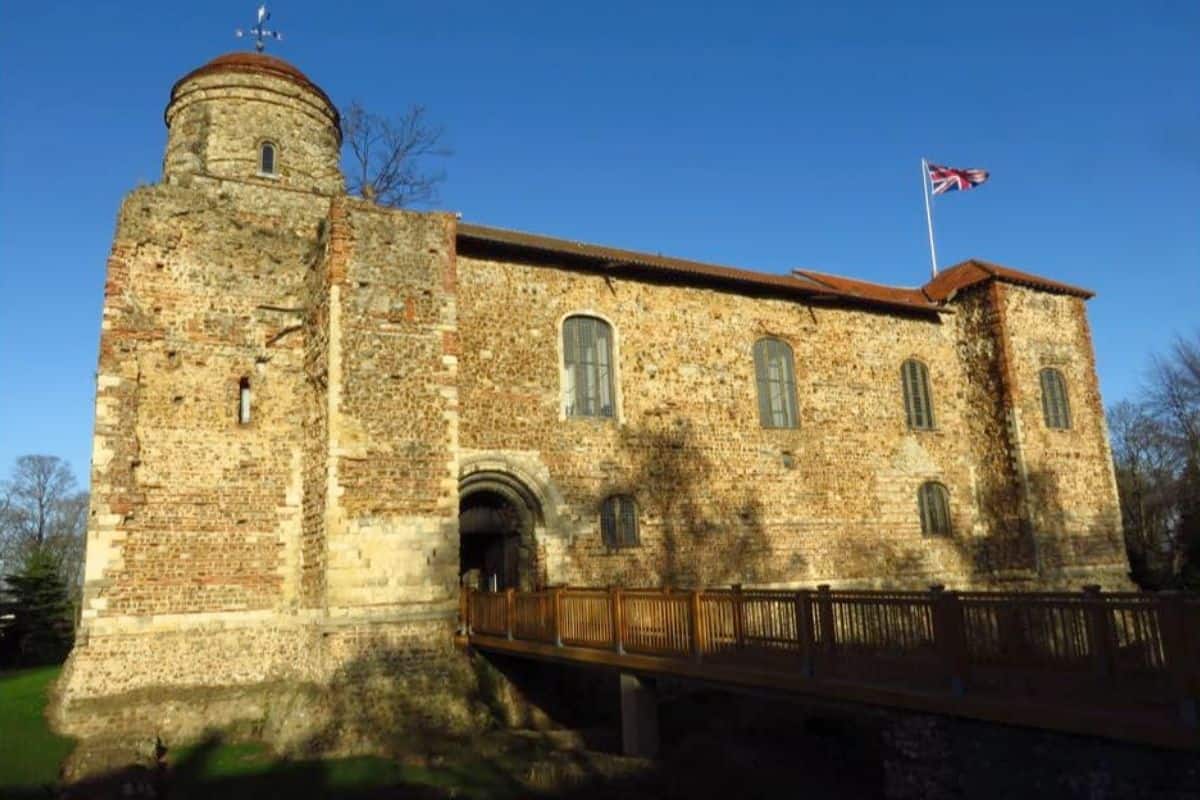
(497, 516)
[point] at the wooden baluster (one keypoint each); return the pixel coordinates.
(1181, 655)
(949, 636)
(825, 616)
(804, 631)
(556, 616)
(509, 612)
(739, 624)
(697, 628)
(1099, 633)
(614, 609)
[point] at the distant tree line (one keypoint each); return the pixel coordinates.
(43, 523)
(1156, 452)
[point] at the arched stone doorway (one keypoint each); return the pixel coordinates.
(497, 516)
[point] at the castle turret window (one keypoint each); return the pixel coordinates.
(244, 401)
(587, 367)
(776, 382)
(933, 504)
(1055, 407)
(918, 407)
(619, 522)
(266, 158)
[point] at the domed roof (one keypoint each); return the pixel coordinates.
(262, 64)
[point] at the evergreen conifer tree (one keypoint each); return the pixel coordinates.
(35, 613)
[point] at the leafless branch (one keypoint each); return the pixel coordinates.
(389, 156)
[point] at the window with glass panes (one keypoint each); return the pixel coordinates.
(776, 381)
(587, 362)
(918, 406)
(933, 503)
(1055, 408)
(619, 522)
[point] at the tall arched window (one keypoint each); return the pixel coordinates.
(587, 367)
(933, 503)
(619, 521)
(266, 158)
(776, 381)
(1055, 407)
(918, 405)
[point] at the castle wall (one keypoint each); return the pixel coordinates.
(393, 481)
(1072, 488)
(217, 122)
(722, 499)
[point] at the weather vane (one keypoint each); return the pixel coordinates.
(259, 31)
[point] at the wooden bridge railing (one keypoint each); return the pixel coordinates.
(1088, 648)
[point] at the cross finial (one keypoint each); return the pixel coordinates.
(259, 30)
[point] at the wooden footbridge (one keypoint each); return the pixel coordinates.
(1122, 666)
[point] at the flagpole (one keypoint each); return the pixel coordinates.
(929, 214)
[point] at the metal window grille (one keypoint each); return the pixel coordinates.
(933, 503)
(918, 407)
(776, 383)
(619, 522)
(1055, 408)
(587, 357)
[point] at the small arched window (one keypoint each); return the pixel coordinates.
(266, 158)
(1055, 408)
(776, 382)
(587, 367)
(619, 522)
(918, 405)
(244, 401)
(933, 503)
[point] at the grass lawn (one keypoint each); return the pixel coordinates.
(30, 754)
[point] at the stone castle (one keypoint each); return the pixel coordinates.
(316, 417)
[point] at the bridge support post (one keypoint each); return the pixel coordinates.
(1182, 656)
(639, 716)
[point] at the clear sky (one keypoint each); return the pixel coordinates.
(754, 134)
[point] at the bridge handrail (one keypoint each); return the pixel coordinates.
(1098, 647)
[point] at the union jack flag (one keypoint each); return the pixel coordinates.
(949, 179)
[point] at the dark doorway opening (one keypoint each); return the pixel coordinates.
(489, 541)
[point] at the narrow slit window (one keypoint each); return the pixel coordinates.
(1055, 407)
(244, 401)
(619, 522)
(266, 158)
(933, 504)
(588, 367)
(918, 405)
(775, 379)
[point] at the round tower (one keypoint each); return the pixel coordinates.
(257, 118)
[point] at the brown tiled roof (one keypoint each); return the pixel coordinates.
(264, 65)
(975, 270)
(802, 282)
(613, 259)
(866, 289)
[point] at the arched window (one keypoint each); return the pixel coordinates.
(266, 158)
(776, 381)
(933, 503)
(1055, 407)
(244, 401)
(619, 521)
(587, 367)
(918, 406)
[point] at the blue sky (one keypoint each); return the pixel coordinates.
(763, 135)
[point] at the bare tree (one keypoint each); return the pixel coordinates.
(1156, 450)
(389, 156)
(41, 510)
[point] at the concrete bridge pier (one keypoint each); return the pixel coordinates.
(639, 716)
